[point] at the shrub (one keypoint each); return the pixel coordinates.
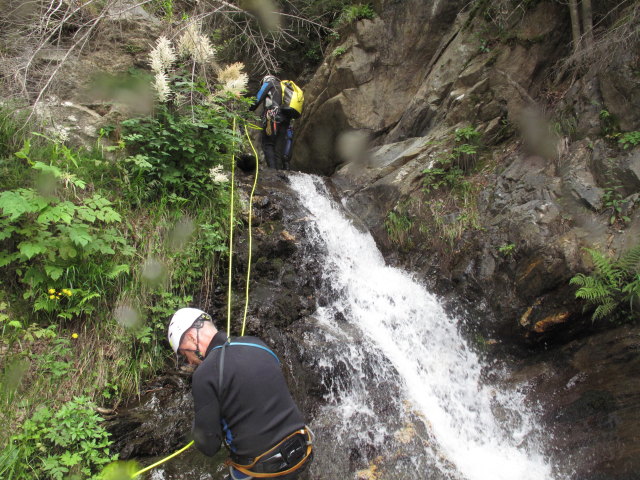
(629, 140)
(507, 249)
(173, 153)
(614, 285)
(613, 203)
(338, 51)
(353, 13)
(450, 167)
(67, 443)
(398, 226)
(61, 246)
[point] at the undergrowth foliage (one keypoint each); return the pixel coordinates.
(68, 442)
(60, 238)
(98, 252)
(173, 152)
(613, 288)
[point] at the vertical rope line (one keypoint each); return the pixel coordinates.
(253, 189)
(233, 180)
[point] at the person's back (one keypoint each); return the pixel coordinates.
(240, 395)
(254, 403)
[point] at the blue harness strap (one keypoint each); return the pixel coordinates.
(230, 344)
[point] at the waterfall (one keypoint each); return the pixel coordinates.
(405, 398)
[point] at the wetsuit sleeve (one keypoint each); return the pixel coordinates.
(207, 432)
(262, 94)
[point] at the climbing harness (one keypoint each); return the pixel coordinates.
(271, 116)
(277, 449)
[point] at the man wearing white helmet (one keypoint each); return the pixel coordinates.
(240, 396)
(275, 122)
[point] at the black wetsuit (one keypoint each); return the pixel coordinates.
(255, 410)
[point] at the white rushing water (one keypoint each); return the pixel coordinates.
(402, 379)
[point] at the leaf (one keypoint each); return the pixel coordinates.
(117, 270)
(70, 459)
(67, 252)
(50, 169)
(79, 234)
(30, 250)
(16, 202)
(62, 212)
(24, 151)
(53, 271)
(108, 215)
(86, 213)
(6, 232)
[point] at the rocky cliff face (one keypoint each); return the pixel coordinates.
(503, 237)
(540, 184)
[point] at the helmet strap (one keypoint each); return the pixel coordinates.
(198, 352)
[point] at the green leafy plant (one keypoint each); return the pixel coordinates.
(398, 226)
(173, 153)
(608, 123)
(48, 240)
(353, 13)
(446, 175)
(507, 249)
(58, 444)
(467, 135)
(55, 360)
(613, 288)
(339, 51)
(613, 203)
(449, 168)
(629, 140)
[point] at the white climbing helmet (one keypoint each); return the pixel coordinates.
(180, 323)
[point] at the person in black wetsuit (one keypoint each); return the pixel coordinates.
(241, 397)
(275, 122)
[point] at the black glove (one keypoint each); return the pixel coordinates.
(253, 107)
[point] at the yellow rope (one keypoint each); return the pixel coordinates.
(255, 182)
(159, 462)
(233, 162)
(246, 304)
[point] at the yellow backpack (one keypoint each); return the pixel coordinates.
(292, 99)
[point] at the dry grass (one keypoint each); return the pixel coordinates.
(617, 37)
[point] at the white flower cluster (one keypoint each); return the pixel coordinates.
(217, 175)
(233, 79)
(194, 44)
(161, 59)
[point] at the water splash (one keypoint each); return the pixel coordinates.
(403, 387)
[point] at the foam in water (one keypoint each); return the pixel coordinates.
(396, 333)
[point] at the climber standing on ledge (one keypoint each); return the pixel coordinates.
(283, 101)
(240, 396)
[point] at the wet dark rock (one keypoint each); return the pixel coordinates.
(590, 389)
(157, 423)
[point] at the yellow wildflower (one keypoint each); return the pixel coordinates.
(51, 291)
(69, 293)
(52, 297)
(74, 335)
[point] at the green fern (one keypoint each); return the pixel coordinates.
(630, 261)
(613, 286)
